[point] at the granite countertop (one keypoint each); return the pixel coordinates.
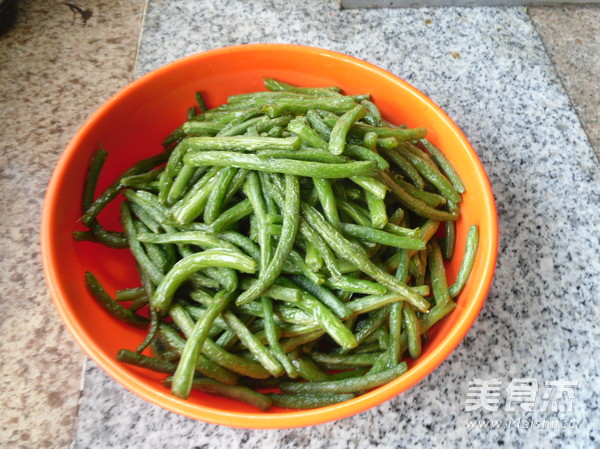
(488, 69)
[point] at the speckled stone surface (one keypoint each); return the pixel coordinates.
(571, 36)
(488, 69)
(54, 72)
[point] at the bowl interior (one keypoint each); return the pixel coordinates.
(132, 125)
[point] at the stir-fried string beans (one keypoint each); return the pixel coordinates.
(284, 235)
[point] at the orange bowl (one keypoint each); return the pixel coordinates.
(132, 125)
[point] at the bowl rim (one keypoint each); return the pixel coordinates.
(291, 419)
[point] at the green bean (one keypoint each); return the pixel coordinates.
(266, 359)
(327, 200)
(154, 323)
(287, 166)
(383, 237)
(289, 344)
(299, 266)
(143, 180)
(371, 185)
(219, 363)
(265, 97)
(313, 258)
(417, 268)
(144, 262)
(182, 319)
(366, 154)
(289, 314)
(270, 124)
(411, 324)
(317, 123)
(275, 85)
(240, 143)
(436, 313)
(445, 165)
(184, 374)
(216, 197)
(328, 321)
(225, 116)
(196, 128)
(173, 138)
(372, 302)
(430, 172)
(395, 329)
(171, 170)
(146, 218)
(430, 198)
(232, 215)
(307, 369)
(306, 134)
(97, 233)
(111, 306)
(307, 401)
(188, 176)
(337, 105)
(449, 240)
(353, 253)
(242, 242)
(200, 101)
(304, 154)
(191, 112)
(357, 213)
(365, 328)
(129, 294)
(285, 244)
(253, 190)
(405, 167)
(472, 242)
(234, 129)
(355, 285)
(275, 291)
(416, 205)
(113, 190)
(438, 273)
(387, 143)
(237, 392)
(195, 262)
(100, 235)
(401, 134)
(373, 116)
(151, 205)
(91, 180)
(143, 361)
(198, 238)
(345, 361)
(156, 254)
(370, 141)
(377, 211)
(236, 184)
(138, 303)
(351, 385)
(273, 339)
(161, 350)
(400, 230)
(324, 295)
(337, 139)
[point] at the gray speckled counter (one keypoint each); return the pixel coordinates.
(487, 68)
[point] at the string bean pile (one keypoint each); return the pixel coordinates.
(290, 245)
